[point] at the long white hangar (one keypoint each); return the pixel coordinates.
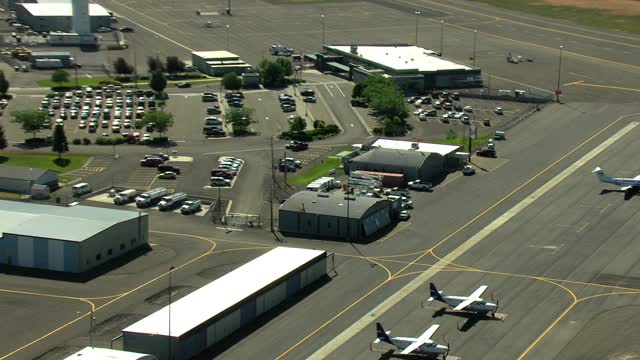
(201, 319)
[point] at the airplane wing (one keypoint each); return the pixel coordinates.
(637, 177)
(625, 188)
(423, 339)
(471, 298)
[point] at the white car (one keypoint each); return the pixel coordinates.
(404, 215)
(231, 158)
(468, 108)
(146, 137)
(82, 124)
(498, 110)
(219, 181)
(468, 170)
(457, 116)
(59, 122)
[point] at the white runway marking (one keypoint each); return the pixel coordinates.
(421, 279)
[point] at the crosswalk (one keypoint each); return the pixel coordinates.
(144, 178)
(95, 165)
(310, 154)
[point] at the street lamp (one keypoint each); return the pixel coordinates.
(441, 35)
(475, 36)
(558, 92)
(227, 28)
(169, 329)
(322, 17)
(417, 16)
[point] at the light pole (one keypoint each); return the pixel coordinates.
(558, 92)
(169, 329)
(322, 17)
(475, 36)
(91, 318)
(227, 28)
(417, 16)
(441, 36)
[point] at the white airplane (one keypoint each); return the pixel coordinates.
(422, 345)
(625, 183)
(472, 303)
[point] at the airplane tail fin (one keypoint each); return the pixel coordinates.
(601, 175)
(382, 335)
(435, 294)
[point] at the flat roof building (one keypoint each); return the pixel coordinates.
(58, 16)
(333, 215)
(216, 310)
(219, 63)
(95, 353)
(71, 239)
(415, 69)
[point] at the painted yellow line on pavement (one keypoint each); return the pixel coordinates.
(574, 83)
(582, 83)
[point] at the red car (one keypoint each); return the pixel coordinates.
(227, 174)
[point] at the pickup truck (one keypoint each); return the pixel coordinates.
(420, 185)
(296, 145)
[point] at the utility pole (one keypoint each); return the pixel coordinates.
(322, 17)
(228, 7)
(273, 176)
(475, 35)
(91, 328)
(417, 17)
(169, 329)
(286, 167)
(348, 197)
(558, 91)
(227, 27)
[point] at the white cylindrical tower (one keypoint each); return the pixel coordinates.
(81, 22)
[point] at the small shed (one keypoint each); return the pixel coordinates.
(20, 179)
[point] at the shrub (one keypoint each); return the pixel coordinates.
(76, 142)
(377, 131)
(86, 141)
(117, 140)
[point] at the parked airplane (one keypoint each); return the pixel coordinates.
(422, 345)
(625, 183)
(473, 302)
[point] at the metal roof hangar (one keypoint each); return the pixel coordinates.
(415, 160)
(69, 239)
(213, 312)
(20, 179)
(58, 15)
(333, 215)
(415, 69)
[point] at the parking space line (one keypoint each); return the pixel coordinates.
(330, 93)
(338, 87)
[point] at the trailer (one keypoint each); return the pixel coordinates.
(67, 39)
(47, 64)
(324, 183)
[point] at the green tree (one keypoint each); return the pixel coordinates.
(4, 84)
(231, 81)
(158, 82)
(271, 73)
(3, 139)
(154, 64)
(121, 66)
(358, 90)
(161, 120)
(60, 76)
(31, 121)
(286, 65)
(240, 119)
(297, 124)
(60, 144)
(319, 124)
(174, 65)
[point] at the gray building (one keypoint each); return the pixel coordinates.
(415, 160)
(20, 179)
(57, 16)
(68, 239)
(207, 316)
(414, 69)
(219, 63)
(333, 215)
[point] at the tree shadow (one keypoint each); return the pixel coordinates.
(62, 162)
(3, 159)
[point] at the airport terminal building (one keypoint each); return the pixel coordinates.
(414, 69)
(72, 239)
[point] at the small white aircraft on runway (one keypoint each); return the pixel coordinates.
(625, 183)
(472, 303)
(422, 345)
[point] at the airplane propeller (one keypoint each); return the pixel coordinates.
(497, 302)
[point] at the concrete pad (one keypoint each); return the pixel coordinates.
(180, 159)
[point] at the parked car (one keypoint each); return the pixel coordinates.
(404, 215)
(211, 110)
(183, 85)
(296, 145)
(420, 185)
(212, 121)
(468, 108)
(309, 99)
(498, 110)
(223, 173)
(165, 168)
(307, 92)
(168, 175)
(468, 170)
(219, 181)
(213, 131)
(151, 162)
(191, 207)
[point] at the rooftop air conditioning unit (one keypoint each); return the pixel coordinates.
(415, 146)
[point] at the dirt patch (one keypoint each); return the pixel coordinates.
(616, 7)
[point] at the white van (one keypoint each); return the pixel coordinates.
(191, 206)
(173, 200)
(124, 197)
(81, 189)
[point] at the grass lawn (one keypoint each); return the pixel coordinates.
(590, 17)
(462, 141)
(82, 81)
(47, 161)
(317, 170)
(173, 82)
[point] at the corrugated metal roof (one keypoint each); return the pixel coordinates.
(441, 149)
(332, 204)
(216, 55)
(61, 8)
(212, 299)
(75, 223)
(21, 172)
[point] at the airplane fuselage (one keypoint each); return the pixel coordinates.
(476, 306)
(624, 182)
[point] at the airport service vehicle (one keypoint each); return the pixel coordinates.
(80, 189)
(170, 201)
(625, 183)
(420, 185)
(280, 50)
(422, 345)
(191, 206)
(472, 303)
(126, 196)
(150, 197)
